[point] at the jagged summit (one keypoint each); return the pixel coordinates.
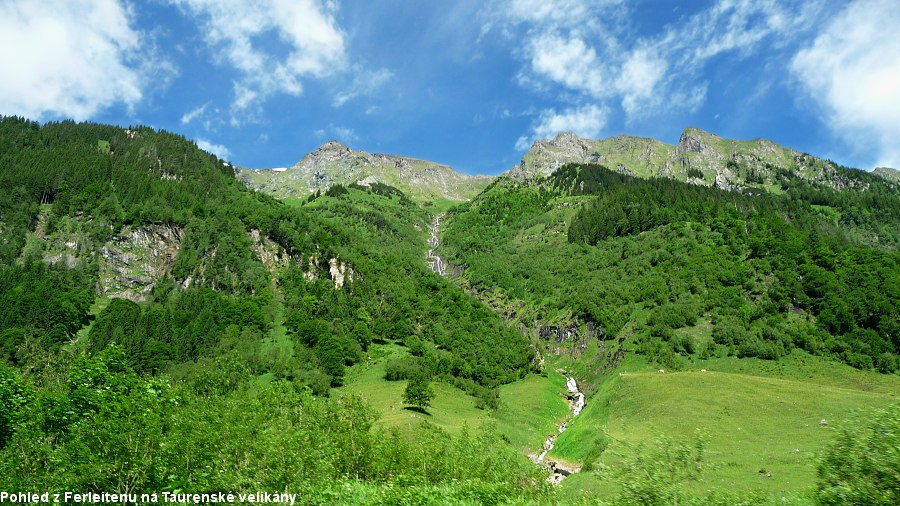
(335, 163)
(698, 157)
(332, 148)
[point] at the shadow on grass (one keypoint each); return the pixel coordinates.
(417, 409)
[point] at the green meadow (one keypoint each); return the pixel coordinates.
(761, 422)
(530, 409)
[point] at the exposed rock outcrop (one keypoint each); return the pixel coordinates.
(134, 259)
(339, 272)
(271, 254)
(573, 337)
(888, 173)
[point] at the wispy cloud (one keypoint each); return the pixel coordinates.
(344, 134)
(193, 114)
(235, 30)
(364, 83)
(69, 58)
(852, 70)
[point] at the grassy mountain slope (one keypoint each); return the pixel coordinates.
(760, 421)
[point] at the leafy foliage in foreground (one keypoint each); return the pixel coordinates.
(863, 465)
(104, 428)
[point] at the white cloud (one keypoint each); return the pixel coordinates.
(194, 114)
(590, 52)
(234, 30)
(558, 12)
(852, 70)
(69, 58)
(345, 135)
(586, 121)
(568, 61)
(638, 80)
(364, 83)
(738, 27)
(216, 149)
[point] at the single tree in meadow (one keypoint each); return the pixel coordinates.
(418, 390)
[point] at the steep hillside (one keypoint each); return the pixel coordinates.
(333, 163)
(699, 158)
(648, 291)
(146, 217)
(589, 257)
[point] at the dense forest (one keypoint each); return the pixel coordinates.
(812, 268)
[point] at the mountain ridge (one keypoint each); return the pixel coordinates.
(699, 157)
(334, 163)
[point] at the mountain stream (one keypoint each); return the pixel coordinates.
(435, 262)
(558, 471)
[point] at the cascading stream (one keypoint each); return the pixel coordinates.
(558, 472)
(576, 404)
(435, 262)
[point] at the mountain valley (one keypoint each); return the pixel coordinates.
(727, 311)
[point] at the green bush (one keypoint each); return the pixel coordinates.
(400, 369)
(863, 465)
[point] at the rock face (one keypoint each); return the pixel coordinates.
(339, 272)
(133, 260)
(570, 337)
(271, 254)
(698, 158)
(334, 163)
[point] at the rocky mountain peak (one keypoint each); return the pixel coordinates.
(331, 150)
(567, 139)
(694, 140)
(699, 157)
(335, 163)
(888, 173)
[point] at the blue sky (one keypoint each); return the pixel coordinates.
(467, 83)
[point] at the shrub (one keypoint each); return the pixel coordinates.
(861, 466)
(400, 369)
